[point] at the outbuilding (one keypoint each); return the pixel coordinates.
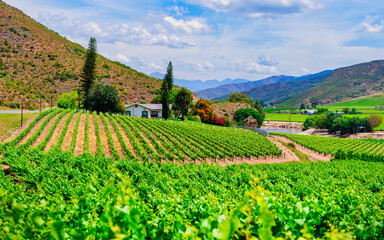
(145, 110)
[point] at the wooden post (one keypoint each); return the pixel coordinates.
(22, 106)
(40, 103)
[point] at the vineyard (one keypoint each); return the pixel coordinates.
(142, 139)
(70, 175)
(361, 149)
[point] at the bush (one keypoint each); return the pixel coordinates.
(193, 118)
(68, 100)
(17, 105)
(239, 98)
(219, 121)
(12, 105)
(103, 98)
(242, 114)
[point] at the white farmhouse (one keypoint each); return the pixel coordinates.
(145, 110)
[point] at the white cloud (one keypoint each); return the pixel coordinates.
(373, 28)
(253, 67)
(267, 61)
(122, 58)
(259, 8)
(189, 27)
(179, 10)
(202, 67)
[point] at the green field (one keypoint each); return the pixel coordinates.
(361, 103)
(285, 117)
(10, 122)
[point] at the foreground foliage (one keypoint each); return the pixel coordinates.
(58, 196)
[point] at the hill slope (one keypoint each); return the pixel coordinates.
(361, 103)
(31, 55)
(345, 83)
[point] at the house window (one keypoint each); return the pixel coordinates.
(129, 113)
(154, 114)
(144, 114)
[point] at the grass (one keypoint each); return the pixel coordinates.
(10, 123)
(360, 103)
(284, 117)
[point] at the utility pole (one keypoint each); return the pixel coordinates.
(22, 107)
(40, 102)
(51, 94)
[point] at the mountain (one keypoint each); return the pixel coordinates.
(32, 56)
(222, 92)
(344, 84)
(281, 91)
(196, 85)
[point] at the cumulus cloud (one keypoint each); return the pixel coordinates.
(192, 26)
(373, 28)
(178, 10)
(253, 67)
(259, 8)
(129, 33)
(267, 61)
(202, 67)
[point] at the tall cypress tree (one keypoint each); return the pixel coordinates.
(166, 91)
(165, 99)
(169, 76)
(88, 74)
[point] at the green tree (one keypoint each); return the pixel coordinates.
(302, 106)
(166, 91)
(239, 98)
(103, 98)
(183, 100)
(88, 74)
(259, 108)
(314, 102)
(169, 76)
(242, 114)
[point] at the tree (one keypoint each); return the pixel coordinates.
(165, 100)
(103, 98)
(374, 121)
(239, 98)
(346, 110)
(88, 74)
(183, 100)
(242, 114)
(302, 106)
(169, 76)
(166, 91)
(259, 108)
(314, 102)
(204, 110)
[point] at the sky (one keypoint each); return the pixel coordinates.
(219, 39)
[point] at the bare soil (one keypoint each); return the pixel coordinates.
(56, 134)
(116, 140)
(45, 131)
(32, 131)
(104, 138)
(79, 148)
(69, 134)
(92, 135)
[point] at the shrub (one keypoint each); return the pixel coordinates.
(193, 118)
(103, 98)
(12, 105)
(68, 100)
(17, 105)
(242, 114)
(219, 121)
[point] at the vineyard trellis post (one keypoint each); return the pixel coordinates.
(22, 107)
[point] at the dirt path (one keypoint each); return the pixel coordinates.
(313, 156)
(92, 135)
(79, 148)
(69, 134)
(45, 131)
(33, 130)
(116, 140)
(104, 138)
(56, 134)
(20, 130)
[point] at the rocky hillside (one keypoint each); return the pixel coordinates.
(35, 60)
(345, 83)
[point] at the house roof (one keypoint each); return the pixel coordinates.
(148, 106)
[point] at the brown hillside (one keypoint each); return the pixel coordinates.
(31, 55)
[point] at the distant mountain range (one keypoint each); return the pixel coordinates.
(223, 91)
(196, 85)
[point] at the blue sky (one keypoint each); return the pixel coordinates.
(218, 39)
